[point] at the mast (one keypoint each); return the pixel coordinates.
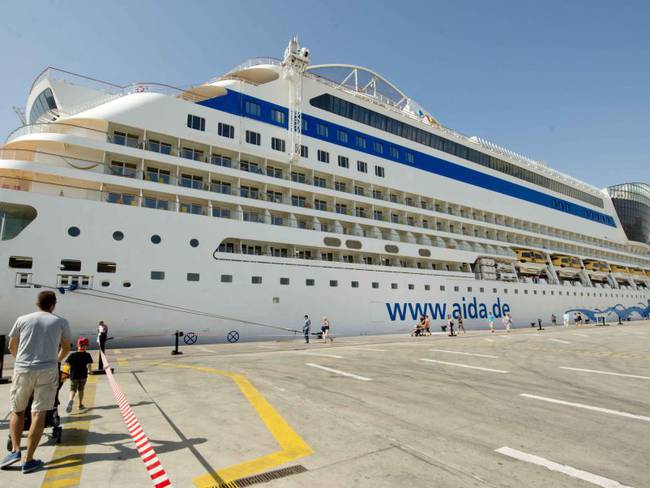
(294, 63)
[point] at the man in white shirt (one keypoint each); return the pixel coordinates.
(39, 341)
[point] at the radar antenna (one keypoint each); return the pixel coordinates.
(294, 63)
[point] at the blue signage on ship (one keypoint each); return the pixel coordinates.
(468, 309)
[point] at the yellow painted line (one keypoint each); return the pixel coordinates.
(61, 483)
(292, 446)
(64, 469)
(122, 362)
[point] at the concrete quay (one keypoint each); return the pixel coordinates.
(562, 407)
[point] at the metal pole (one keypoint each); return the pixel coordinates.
(177, 334)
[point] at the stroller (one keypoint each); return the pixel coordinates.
(52, 418)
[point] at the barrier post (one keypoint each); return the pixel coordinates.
(175, 351)
(3, 345)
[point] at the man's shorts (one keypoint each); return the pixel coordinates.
(42, 383)
(78, 385)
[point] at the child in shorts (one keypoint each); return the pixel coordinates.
(80, 363)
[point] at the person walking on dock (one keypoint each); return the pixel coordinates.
(491, 320)
(325, 329)
(553, 319)
(507, 321)
(450, 326)
(39, 341)
(566, 318)
(460, 325)
(306, 328)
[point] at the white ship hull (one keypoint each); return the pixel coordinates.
(352, 311)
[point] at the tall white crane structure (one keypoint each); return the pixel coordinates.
(294, 63)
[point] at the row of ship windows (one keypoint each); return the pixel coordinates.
(284, 281)
(118, 235)
(382, 122)
(278, 144)
(24, 279)
(228, 131)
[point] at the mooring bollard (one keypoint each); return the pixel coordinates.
(177, 334)
(3, 345)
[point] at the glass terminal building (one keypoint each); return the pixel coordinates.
(632, 203)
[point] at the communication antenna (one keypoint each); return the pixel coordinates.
(294, 63)
(21, 115)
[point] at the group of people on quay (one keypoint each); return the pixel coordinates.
(40, 342)
(423, 326)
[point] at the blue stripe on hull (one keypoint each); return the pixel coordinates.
(233, 102)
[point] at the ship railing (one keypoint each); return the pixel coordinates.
(109, 91)
(58, 74)
(132, 198)
(85, 164)
(55, 128)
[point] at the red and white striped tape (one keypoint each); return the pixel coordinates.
(149, 457)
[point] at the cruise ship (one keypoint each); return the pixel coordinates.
(232, 208)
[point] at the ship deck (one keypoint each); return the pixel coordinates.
(507, 410)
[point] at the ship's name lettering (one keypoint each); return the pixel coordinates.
(468, 309)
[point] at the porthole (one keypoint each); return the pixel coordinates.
(106, 283)
(118, 235)
(155, 239)
(73, 231)
(126, 284)
(194, 243)
(352, 244)
(332, 241)
(425, 253)
(392, 249)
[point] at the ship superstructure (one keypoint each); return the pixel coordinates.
(280, 189)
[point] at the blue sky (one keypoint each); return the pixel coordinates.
(567, 82)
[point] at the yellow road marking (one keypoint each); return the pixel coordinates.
(292, 446)
(61, 483)
(66, 464)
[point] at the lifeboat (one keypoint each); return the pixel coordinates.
(620, 272)
(597, 270)
(530, 261)
(566, 266)
(638, 274)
